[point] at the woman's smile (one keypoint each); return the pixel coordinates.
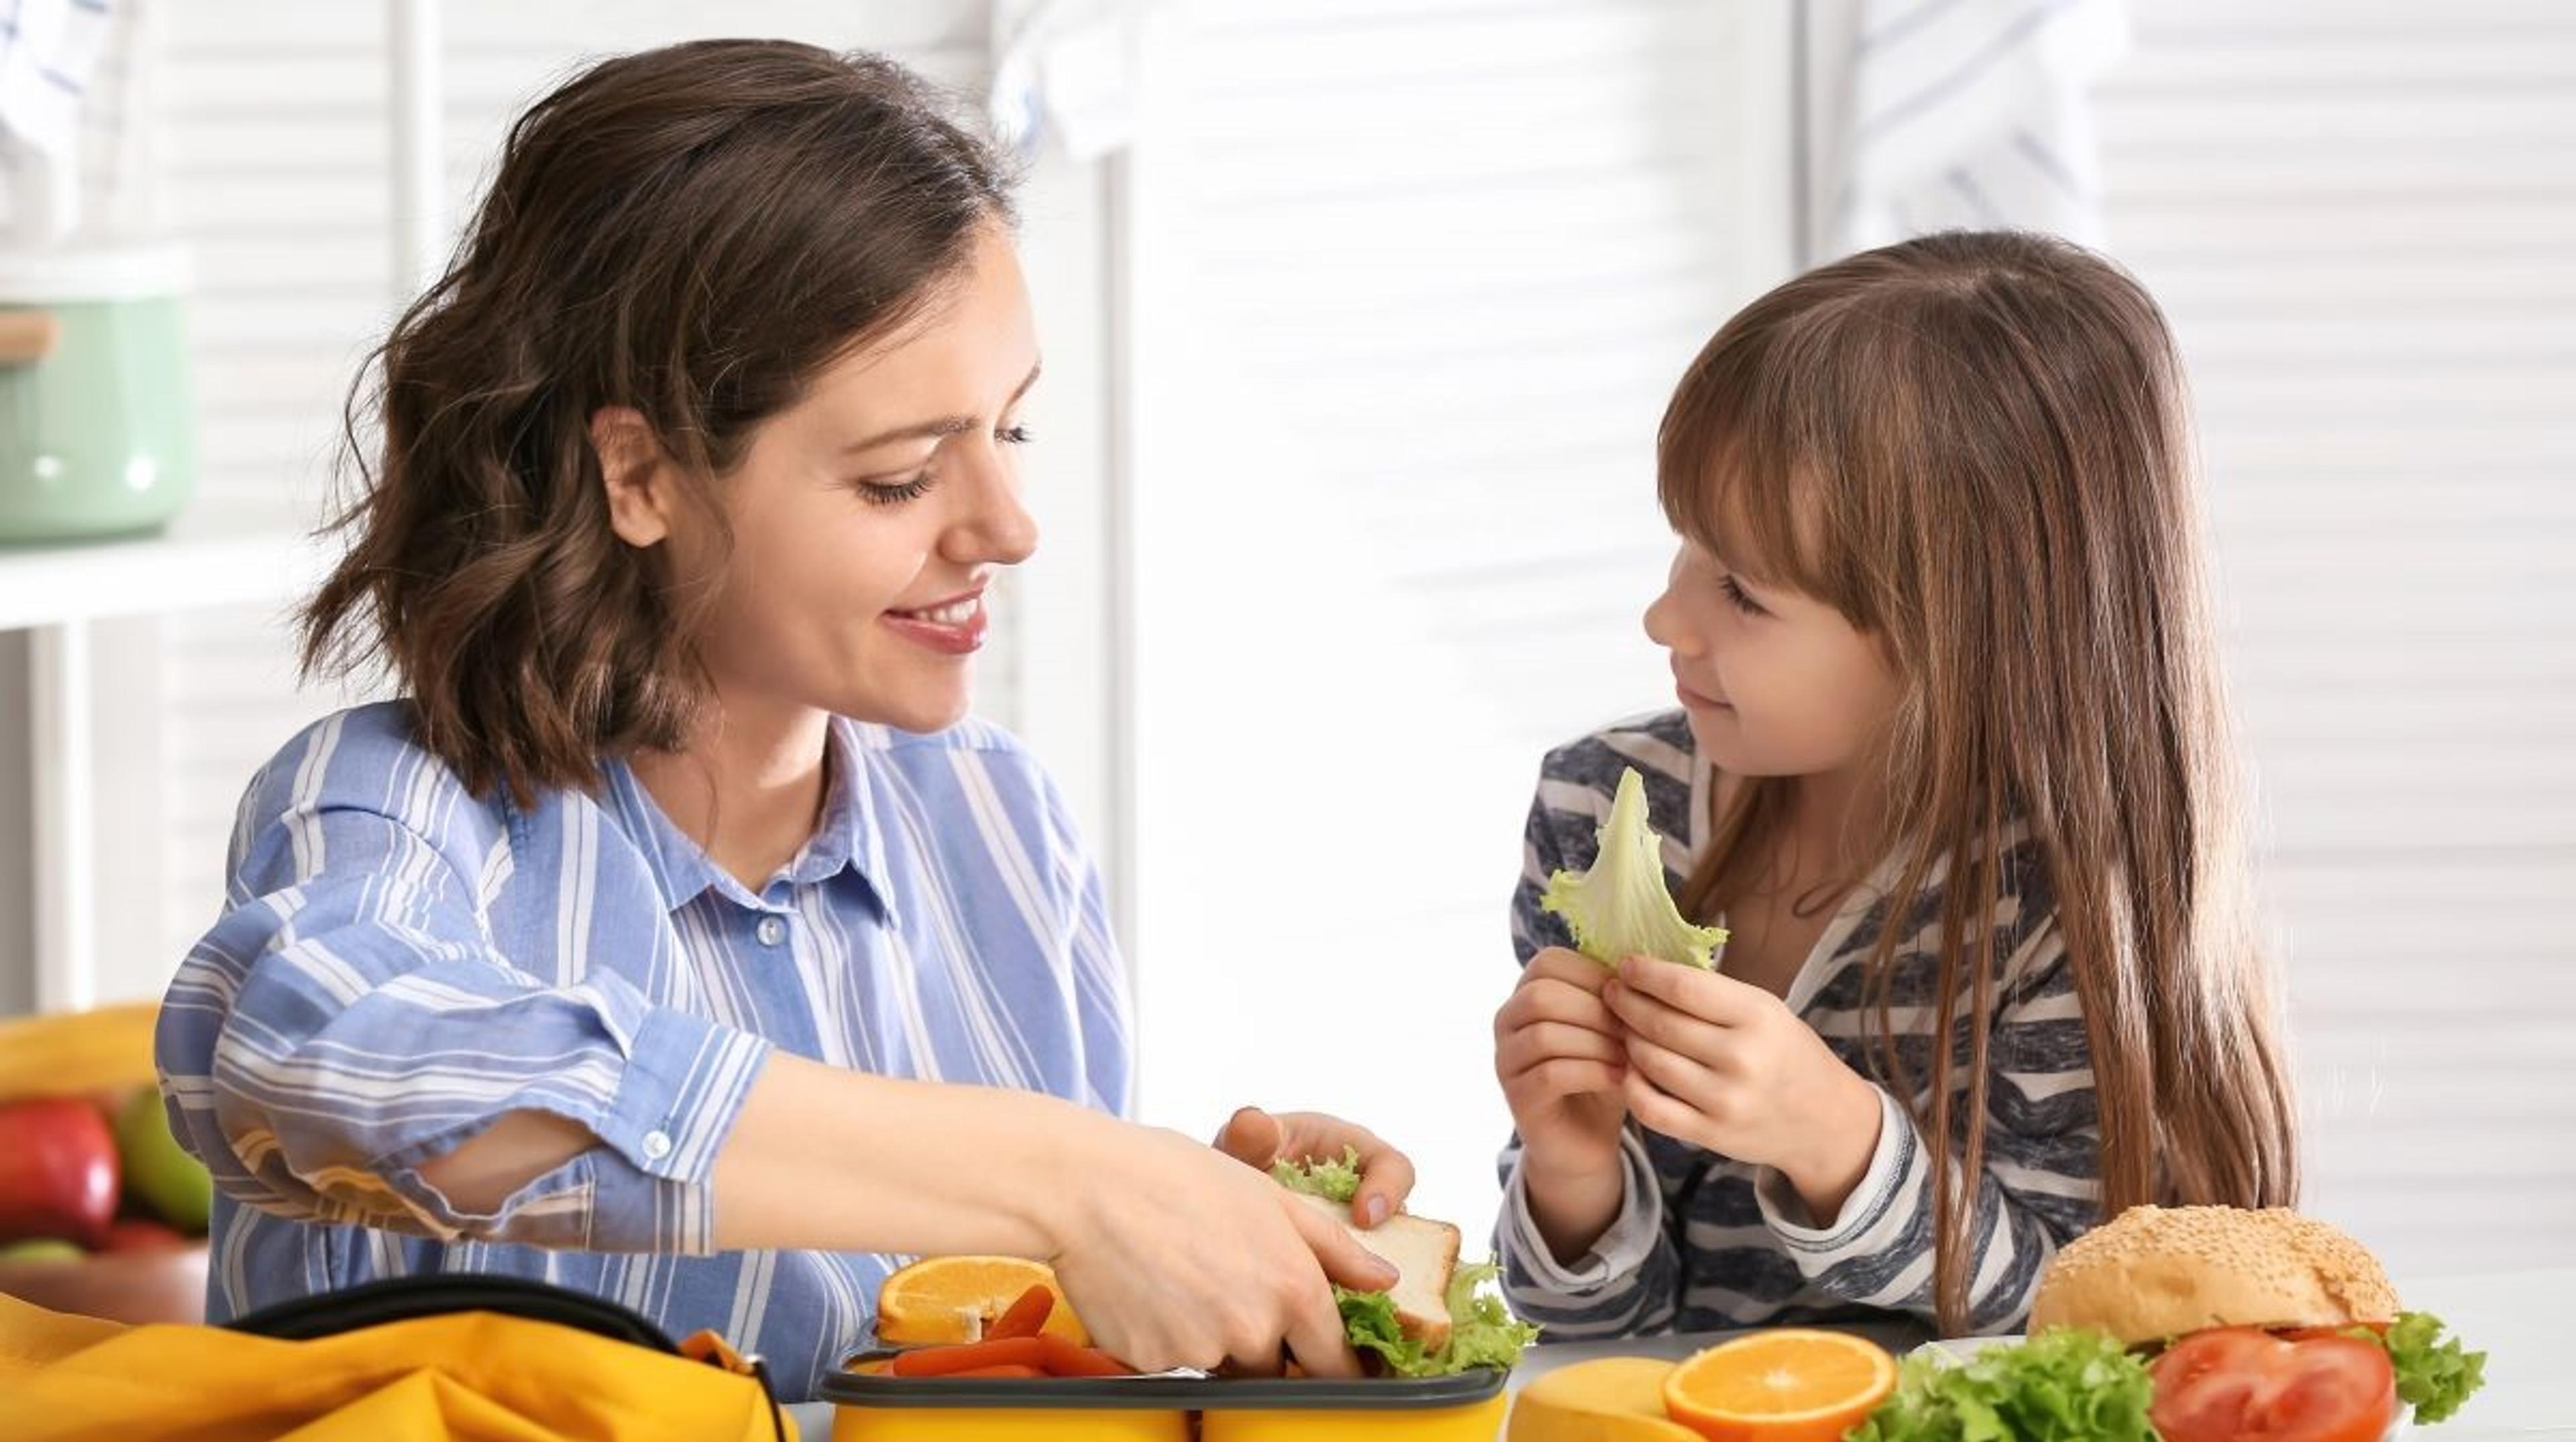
(953, 627)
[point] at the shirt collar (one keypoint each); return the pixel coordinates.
(846, 837)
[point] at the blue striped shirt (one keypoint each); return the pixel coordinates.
(400, 962)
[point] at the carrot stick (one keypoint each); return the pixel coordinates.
(1004, 1370)
(1051, 1355)
(1063, 1359)
(1025, 1317)
(945, 1361)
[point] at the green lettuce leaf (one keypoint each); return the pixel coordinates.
(2066, 1385)
(1369, 1318)
(1619, 908)
(1482, 1332)
(1315, 1176)
(2434, 1374)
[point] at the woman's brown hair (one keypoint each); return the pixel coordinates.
(694, 232)
(1977, 447)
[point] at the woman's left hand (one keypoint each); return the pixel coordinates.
(1257, 1138)
(1727, 1066)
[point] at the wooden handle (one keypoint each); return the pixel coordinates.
(27, 336)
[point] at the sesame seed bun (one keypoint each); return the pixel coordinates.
(2156, 1273)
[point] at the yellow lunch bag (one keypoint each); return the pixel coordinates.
(452, 1357)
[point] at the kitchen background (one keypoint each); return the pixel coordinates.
(1358, 317)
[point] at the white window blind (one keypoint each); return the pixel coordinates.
(2361, 215)
(1410, 285)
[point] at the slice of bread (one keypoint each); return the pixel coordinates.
(1425, 1252)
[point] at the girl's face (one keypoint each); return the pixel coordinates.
(869, 519)
(1775, 683)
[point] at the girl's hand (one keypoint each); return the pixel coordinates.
(1727, 1066)
(1561, 1057)
(1257, 1138)
(1176, 1255)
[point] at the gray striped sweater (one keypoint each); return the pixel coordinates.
(1704, 1242)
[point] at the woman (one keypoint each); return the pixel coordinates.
(643, 945)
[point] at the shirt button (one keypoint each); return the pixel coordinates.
(657, 1145)
(771, 931)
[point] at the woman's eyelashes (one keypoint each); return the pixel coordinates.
(1737, 597)
(895, 493)
(918, 484)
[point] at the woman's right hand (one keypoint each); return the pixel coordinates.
(1561, 1057)
(1177, 1255)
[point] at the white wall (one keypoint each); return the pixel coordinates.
(2361, 215)
(1411, 287)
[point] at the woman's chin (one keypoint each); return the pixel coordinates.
(921, 713)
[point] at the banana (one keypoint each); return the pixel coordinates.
(70, 1053)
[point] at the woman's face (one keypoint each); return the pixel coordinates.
(870, 518)
(1775, 683)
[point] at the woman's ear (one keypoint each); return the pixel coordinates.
(635, 474)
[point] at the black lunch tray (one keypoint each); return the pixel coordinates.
(846, 1388)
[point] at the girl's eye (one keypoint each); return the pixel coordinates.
(880, 493)
(1013, 435)
(1737, 598)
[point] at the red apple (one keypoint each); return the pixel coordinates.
(133, 1234)
(58, 1171)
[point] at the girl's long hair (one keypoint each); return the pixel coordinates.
(1977, 447)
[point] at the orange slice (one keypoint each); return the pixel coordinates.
(940, 1300)
(1788, 1385)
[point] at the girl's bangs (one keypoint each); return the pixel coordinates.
(1738, 473)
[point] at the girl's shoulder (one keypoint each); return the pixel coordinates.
(1657, 743)
(1578, 779)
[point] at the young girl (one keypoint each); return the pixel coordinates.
(1951, 765)
(629, 949)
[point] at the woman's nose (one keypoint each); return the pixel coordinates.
(999, 530)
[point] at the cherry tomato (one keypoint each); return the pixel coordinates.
(2240, 1384)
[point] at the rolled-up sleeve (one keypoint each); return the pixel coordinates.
(349, 1018)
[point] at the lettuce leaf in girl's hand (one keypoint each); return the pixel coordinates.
(1619, 908)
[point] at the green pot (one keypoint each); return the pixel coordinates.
(97, 421)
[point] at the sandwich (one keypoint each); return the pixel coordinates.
(1435, 1320)
(1424, 1254)
(2199, 1324)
